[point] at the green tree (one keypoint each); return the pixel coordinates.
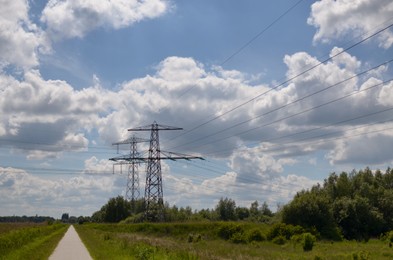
(311, 210)
(265, 210)
(359, 203)
(116, 210)
(226, 209)
(242, 213)
(254, 210)
(97, 216)
(208, 214)
(65, 217)
(385, 206)
(343, 186)
(357, 218)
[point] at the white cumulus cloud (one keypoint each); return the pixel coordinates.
(73, 18)
(335, 19)
(20, 39)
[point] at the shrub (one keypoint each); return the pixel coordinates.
(194, 238)
(363, 255)
(227, 231)
(137, 218)
(390, 236)
(297, 239)
(282, 229)
(238, 238)
(308, 241)
(144, 252)
(256, 235)
(279, 240)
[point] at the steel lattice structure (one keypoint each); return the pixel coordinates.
(132, 161)
(154, 201)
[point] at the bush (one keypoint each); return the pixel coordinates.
(137, 218)
(194, 238)
(256, 235)
(279, 240)
(282, 229)
(297, 239)
(308, 241)
(144, 252)
(390, 236)
(227, 231)
(238, 238)
(363, 255)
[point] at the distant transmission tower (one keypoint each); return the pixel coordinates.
(132, 161)
(154, 201)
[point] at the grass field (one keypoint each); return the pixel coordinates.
(203, 241)
(29, 240)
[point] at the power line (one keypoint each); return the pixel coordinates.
(246, 179)
(319, 128)
(284, 82)
(297, 114)
(248, 43)
(260, 33)
(287, 104)
(349, 135)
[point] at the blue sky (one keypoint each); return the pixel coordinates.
(244, 80)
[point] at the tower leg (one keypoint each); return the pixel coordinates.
(154, 200)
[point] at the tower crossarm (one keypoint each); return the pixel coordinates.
(178, 156)
(128, 158)
(155, 126)
(154, 201)
(132, 140)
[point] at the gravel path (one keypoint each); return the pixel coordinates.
(70, 247)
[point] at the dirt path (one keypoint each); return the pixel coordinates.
(70, 247)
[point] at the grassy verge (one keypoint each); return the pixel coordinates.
(110, 245)
(8, 227)
(203, 241)
(34, 242)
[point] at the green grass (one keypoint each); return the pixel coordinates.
(8, 227)
(113, 245)
(172, 241)
(30, 241)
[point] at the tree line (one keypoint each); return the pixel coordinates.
(356, 205)
(118, 209)
(35, 219)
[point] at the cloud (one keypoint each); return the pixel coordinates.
(22, 193)
(276, 190)
(179, 102)
(179, 69)
(71, 18)
(372, 149)
(21, 41)
(95, 166)
(58, 118)
(181, 92)
(48, 115)
(335, 19)
(386, 95)
(252, 165)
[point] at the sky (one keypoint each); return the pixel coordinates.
(274, 95)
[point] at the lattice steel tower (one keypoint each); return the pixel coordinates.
(132, 161)
(154, 201)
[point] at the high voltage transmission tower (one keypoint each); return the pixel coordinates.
(154, 201)
(132, 160)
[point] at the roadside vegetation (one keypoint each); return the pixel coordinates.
(349, 216)
(358, 205)
(29, 240)
(220, 240)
